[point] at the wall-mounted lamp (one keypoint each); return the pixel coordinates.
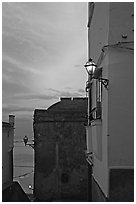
(95, 73)
(30, 187)
(90, 67)
(26, 142)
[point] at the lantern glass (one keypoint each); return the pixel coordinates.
(90, 67)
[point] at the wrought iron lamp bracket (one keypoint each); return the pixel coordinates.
(105, 82)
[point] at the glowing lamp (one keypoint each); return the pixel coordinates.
(90, 67)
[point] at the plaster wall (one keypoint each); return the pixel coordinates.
(100, 169)
(98, 31)
(121, 87)
(98, 35)
(121, 15)
(121, 108)
(110, 22)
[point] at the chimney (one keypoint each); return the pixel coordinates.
(12, 120)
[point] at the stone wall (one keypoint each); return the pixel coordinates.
(60, 165)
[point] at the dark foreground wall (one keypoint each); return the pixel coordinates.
(14, 193)
(60, 169)
(121, 187)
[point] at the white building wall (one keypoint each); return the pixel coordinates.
(109, 22)
(98, 37)
(121, 109)
(121, 16)
(100, 169)
(99, 30)
(121, 89)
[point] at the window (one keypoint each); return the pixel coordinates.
(98, 98)
(98, 91)
(96, 111)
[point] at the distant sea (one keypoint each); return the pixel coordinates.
(24, 166)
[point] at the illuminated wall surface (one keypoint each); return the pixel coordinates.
(111, 27)
(60, 164)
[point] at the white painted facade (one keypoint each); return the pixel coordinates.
(112, 136)
(7, 151)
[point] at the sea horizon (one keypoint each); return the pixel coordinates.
(23, 163)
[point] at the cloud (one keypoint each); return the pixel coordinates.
(38, 38)
(81, 91)
(9, 89)
(69, 88)
(34, 96)
(41, 43)
(53, 90)
(65, 93)
(22, 38)
(14, 79)
(42, 30)
(78, 65)
(16, 64)
(15, 108)
(50, 94)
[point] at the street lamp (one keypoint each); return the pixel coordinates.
(26, 142)
(90, 67)
(94, 73)
(30, 187)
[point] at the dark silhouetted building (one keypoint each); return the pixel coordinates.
(60, 164)
(11, 191)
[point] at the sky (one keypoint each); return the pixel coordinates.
(44, 48)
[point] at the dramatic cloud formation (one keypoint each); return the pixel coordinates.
(43, 52)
